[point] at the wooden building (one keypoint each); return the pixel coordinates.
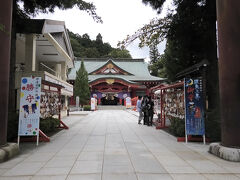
(113, 80)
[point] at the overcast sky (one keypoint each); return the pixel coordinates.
(120, 18)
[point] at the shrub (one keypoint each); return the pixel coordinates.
(177, 127)
(213, 125)
(86, 107)
(12, 128)
(49, 124)
(46, 125)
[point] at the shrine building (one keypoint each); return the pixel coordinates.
(113, 80)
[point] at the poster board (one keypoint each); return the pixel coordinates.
(29, 110)
(194, 107)
(93, 104)
(128, 102)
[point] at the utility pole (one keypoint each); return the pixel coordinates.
(5, 46)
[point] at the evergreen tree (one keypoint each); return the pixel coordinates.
(119, 53)
(99, 39)
(191, 38)
(84, 47)
(154, 57)
(153, 52)
(81, 86)
(33, 7)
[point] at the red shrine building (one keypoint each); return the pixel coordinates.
(113, 80)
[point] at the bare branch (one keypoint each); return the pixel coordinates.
(156, 29)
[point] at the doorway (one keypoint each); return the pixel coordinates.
(109, 99)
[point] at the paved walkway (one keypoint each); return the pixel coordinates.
(110, 145)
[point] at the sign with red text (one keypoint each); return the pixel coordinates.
(29, 110)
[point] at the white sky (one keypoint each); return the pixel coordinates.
(120, 18)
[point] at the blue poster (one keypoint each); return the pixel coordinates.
(194, 108)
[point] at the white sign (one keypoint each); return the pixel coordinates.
(77, 101)
(93, 104)
(29, 110)
(128, 102)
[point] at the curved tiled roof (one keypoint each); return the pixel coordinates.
(137, 67)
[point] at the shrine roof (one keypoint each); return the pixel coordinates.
(137, 69)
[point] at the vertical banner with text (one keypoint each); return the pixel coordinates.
(29, 110)
(128, 102)
(194, 108)
(93, 104)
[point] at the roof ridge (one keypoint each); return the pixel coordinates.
(113, 59)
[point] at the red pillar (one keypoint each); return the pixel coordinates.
(120, 101)
(59, 106)
(161, 106)
(99, 101)
(147, 91)
(133, 93)
(5, 46)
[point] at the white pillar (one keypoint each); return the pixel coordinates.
(30, 52)
(64, 71)
(58, 70)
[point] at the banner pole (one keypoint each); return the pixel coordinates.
(18, 140)
(38, 138)
(185, 109)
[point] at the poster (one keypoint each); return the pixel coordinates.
(128, 102)
(194, 108)
(29, 110)
(93, 103)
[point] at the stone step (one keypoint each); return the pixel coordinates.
(111, 107)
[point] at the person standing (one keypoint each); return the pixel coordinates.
(150, 111)
(139, 109)
(145, 109)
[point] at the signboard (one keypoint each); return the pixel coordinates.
(29, 110)
(77, 101)
(93, 104)
(194, 108)
(128, 102)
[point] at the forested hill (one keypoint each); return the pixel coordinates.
(83, 46)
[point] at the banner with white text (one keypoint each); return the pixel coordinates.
(194, 108)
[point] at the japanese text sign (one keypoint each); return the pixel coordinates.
(194, 117)
(29, 110)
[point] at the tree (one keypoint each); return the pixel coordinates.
(83, 46)
(154, 54)
(119, 53)
(154, 58)
(200, 16)
(191, 37)
(45, 6)
(81, 86)
(99, 39)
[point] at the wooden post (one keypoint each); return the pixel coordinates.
(5, 46)
(229, 70)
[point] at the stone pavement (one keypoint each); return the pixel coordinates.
(110, 145)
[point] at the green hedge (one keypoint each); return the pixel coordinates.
(177, 127)
(87, 107)
(49, 124)
(12, 129)
(213, 125)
